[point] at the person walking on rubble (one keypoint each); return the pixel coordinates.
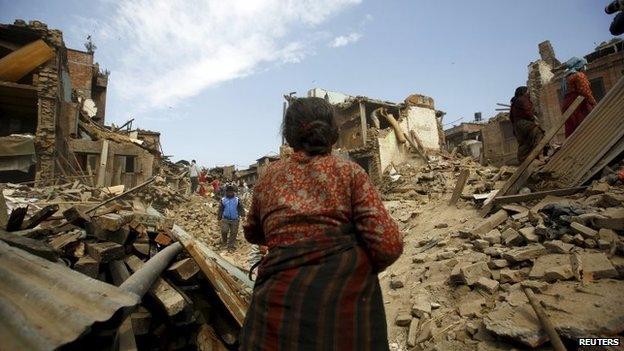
(328, 235)
(573, 85)
(528, 133)
(194, 174)
(230, 211)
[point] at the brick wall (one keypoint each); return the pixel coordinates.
(81, 70)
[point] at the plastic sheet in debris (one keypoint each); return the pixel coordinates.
(45, 305)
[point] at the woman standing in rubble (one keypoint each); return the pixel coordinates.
(328, 235)
(528, 133)
(576, 84)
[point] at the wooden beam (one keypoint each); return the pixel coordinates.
(459, 187)
(513, 180)
(40, 216)
(363, 123)
(101, 180)
(536, 195)
(223, 283)
(22, 61)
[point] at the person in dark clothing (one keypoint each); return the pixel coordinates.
(525, 127)
(230, 211)
(328, 236)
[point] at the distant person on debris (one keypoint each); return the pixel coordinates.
(216, 188)
(193, 173)
(230, 211)
(525, 127)
(573, 85)
(328, 235)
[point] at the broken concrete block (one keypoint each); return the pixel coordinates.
(547, 261)
(106, 251)
(489, 285)
(578, 240)
(598, 188)
(422, 307)
(511, 237)
(590, 266)
(511, 275)
(524, 253)
(497, 264)
(412, 333)
(471, 307)
(594, 309)
(481, 244)
(113, 221)
(535, 285)
(567, 238)
(445, 255)
(87, 266)
(420, 258)
(493, 236)
(586, 232)
(471, 273)
(590, 243)
(493, 251)
(142, 248)
(528, 233)
(403, 318)
(558, 246)
(611, 218)
(184, 269)
(563, 272)
(490, 223)
(608, 235)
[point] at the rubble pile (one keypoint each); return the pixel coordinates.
(161, 195)
(460, 284)
(198, 216)
(438, 177)
(181, 309)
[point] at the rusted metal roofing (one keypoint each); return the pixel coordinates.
(45, 305)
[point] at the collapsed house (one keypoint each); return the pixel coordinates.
(251, 175)
(52, 115)
(377, 134)
(605, 67)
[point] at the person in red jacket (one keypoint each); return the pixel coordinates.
(328, 235)
(574, 85)
(525, 127)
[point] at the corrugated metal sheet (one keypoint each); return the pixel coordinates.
(600, 132)
(45, 305)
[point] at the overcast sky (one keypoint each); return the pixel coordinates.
(210, 74)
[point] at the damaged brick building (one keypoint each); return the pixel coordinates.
(52, 115)
(605, 67)
(377, 134)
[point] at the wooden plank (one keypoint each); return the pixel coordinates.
(363, 123)
(223, 283)
(617, 149)
(459, 187)
(511, 182)
(101, 179)
(40, 216)
(22, 61)
(508, 199)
